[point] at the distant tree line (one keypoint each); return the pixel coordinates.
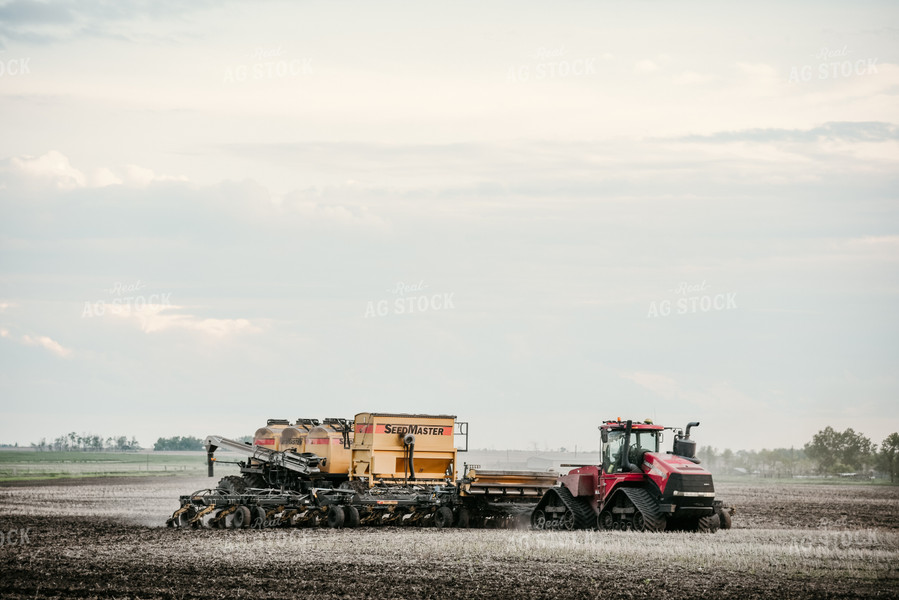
(178, 443)
(73, 442)
(189, 443)
(87, 443)
(829, 453)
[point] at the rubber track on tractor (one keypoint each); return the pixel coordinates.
(646, 504)
(584, 517)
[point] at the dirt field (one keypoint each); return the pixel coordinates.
(788, 541)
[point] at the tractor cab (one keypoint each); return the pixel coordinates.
(643, 437)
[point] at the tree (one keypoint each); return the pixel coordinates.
(178, 443)
(709, 456)
(728, 457)
(858, 451)
(823, 449)
(888, 457)
(837, 452)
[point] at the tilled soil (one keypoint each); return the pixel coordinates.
(761, 504)
(788, 542)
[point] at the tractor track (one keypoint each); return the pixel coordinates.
(653, 519)
(584, 517)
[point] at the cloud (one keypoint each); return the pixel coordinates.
(26, 12)
(158, 318)
(867, 249)
(692, 78)
(709, 395)
(664, 386)
(54, 169)
(41, 22)
(844, 131)
(313, 205)
(474, 171)
(646, 66)
(44, 342)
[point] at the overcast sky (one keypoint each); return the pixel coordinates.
(535, 216)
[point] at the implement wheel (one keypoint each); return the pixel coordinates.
(724, 518)
(708, 524)
(463, 518)
(185, 517)
(335, 516)
(443, 517)
(258, 517)
(254, 480)
(233, 484)
(241, 518)
(351, 516)
(215, 522)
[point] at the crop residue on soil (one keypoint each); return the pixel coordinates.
(92, 541)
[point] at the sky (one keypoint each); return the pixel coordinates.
(532, 216)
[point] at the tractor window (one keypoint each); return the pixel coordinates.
(611, 455)
(641, 441)
(645, 440)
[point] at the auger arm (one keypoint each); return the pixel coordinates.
(305, 464)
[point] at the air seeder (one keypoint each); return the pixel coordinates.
(379, 469)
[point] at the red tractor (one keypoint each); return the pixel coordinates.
(636, 487)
